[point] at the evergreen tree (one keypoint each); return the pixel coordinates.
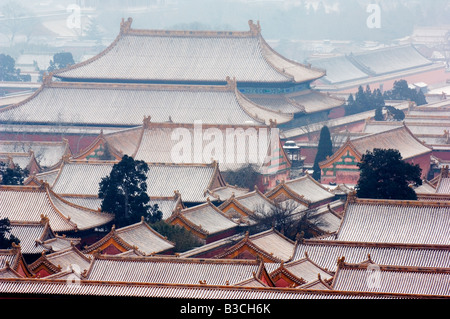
(384, 175)
(246, 176)
(60, 61)
(379, 114)
(124, 193)
(9, 72)
(12, 176)
(401, 91)
(6, 238)
(324, 149)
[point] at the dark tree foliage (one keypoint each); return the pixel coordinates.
(401, 91)
(124, 193)
(6, 238)
(181, 237)
(9, 72)
(325, 148)
(379, 114)
(395, 114)
(60, 61)
(12, 176)
(384, 175)
(364, 100)
(246, 177)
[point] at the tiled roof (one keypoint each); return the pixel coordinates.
(274, 244)
(47, 154)
(44, 287)
(29, 204)
(60, 242)
(392, 279)
(254, 201)
(303, 269)
(205, 218)
(249, 204)
(88, 201)
(400, 139)
(339, 69)
(389, 60)
(144, 238)
(389, 221)
(139, 236)
(225, 192)
(23, 160)
(202, 56)
(190, 180)
(308, 101)
(306, 188)
(10, 257)
(328, 220)
(67, 259)
(166, 205)
(420, 130)
(126, 105)
(32, 235)
(172, 270)
(444, 186)
(269, 244)
(443, 181)
(8, 272)
(231, 146)
(325, 253)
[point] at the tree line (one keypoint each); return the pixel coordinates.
(366, 100)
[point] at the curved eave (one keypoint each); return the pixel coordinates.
(260, 113)
(299, 73)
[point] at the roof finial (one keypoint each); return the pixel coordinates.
(147, 121)
(125, 26)
(255, 29)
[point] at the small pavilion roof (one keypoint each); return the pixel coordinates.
(269, 245)
(32, 235)
(399, 138)
(47, 153)
(301, 271)
(139, 236)
(29, 204)
(304, 188)
(205, 218)
(253, 202)
(64, 260)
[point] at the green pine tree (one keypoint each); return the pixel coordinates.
(124, 193)
(384, 175)
(324, 149)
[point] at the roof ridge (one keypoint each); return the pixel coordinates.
(125, 29)
(374, 244)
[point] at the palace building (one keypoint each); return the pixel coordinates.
(342, 166)
(178, 77)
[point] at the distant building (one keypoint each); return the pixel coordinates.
(342, 166)
(379, 69)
